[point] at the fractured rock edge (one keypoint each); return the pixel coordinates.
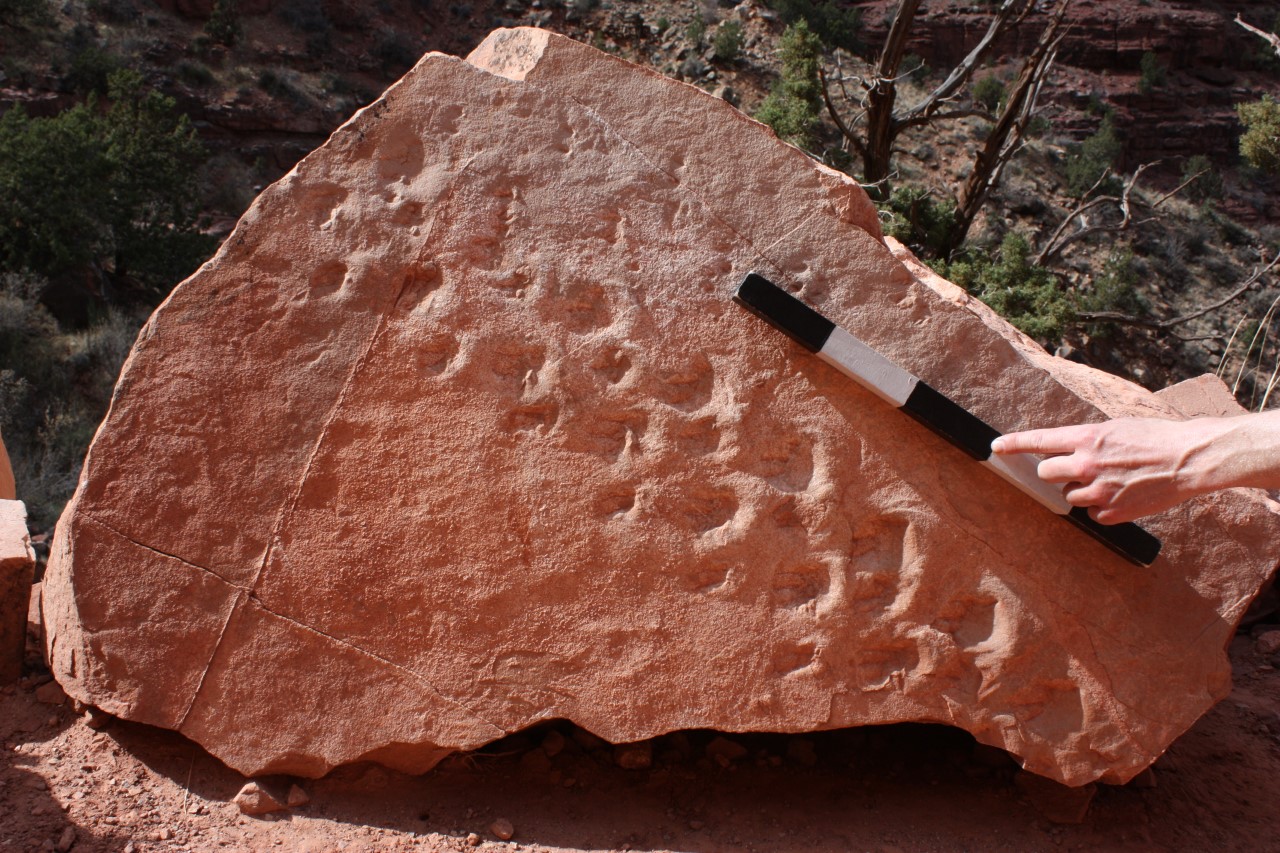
(342, 747)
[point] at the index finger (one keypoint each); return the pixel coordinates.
(1054, 440)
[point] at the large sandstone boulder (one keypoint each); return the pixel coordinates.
(460, 431)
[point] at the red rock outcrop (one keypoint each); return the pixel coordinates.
(460, 431)
(8, 489)
(17, 572)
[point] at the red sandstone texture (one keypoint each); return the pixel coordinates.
(460, 432)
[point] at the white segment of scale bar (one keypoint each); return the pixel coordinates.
(1020, 470)
(867, 367)
(894, 385)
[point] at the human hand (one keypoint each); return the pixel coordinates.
(1126, 468)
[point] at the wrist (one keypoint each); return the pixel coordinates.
(1239, 451)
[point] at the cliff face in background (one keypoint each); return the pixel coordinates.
(1212, 63)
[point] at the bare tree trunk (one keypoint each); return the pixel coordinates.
(881, 128)
(873, 134)
(1006, 136)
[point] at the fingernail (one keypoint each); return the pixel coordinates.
(998, 444)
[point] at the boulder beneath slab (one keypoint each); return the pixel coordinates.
(460, 431)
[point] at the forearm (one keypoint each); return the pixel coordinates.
(1241, 451)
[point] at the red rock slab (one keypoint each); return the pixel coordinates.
(460, 431)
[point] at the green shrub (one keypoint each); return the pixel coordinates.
(1260, 144)
(223, 26)
(1208, 185)
(114, 11)
(918, 220)
(24, 14)
(728, 41)
(194, 73)
(1154, 73)
(793, 105)
(394, 50)
(696, 31)
(1114, 290)
(102, 192)
(306, 16)
(1028, 296)
(90, 69)
(1087, 161)
(989, 93)
(54, 390)
(833, 24)
(283, 85)
(916, 68)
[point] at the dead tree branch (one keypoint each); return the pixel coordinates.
(1005, 139)
(879, 120)
(1271, 38)
(1165, 325)
(1061, 238)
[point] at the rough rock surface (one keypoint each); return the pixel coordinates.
(460, 431)
(17, 572)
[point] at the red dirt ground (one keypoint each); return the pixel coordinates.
(893, 789)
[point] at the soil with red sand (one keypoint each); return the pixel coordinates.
(86, 783)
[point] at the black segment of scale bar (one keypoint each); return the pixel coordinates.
(791, 316)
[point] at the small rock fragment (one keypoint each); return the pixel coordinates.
(67, 840)
(724, 751)
(634, 756)
(587, 740)
(1053, 800)
(1269, 643)
(297, 797)
(254, 800)
(473, 840)
(536, 762)
(553, 743)
(95, 718)
(503, 829)
(51, 693)
(374, 779)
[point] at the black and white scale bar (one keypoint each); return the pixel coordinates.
(935, 410)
